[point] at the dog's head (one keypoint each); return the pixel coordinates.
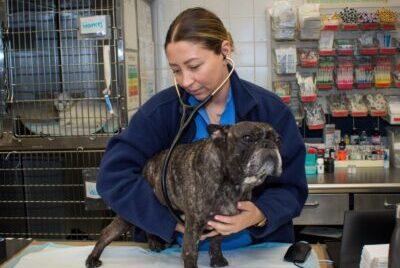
(251, 151)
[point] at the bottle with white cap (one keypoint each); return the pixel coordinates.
(320, 165)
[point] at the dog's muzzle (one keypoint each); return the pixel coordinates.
(263, 163)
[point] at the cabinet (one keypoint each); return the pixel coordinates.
(323, 209)
(375, 201)
(331, 194)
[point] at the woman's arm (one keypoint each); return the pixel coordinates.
(283, 198)
(121, 184)
(278, 201)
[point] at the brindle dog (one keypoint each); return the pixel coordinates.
(204, 179)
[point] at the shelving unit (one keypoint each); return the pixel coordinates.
(342, 33)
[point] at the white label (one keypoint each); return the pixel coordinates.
(91, 191)
(396, 146)
(93, 25)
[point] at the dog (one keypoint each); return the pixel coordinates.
(206, 178)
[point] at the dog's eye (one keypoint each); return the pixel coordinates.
(247, 138)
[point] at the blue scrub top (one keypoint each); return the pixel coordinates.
(228, 117)
(202, 119)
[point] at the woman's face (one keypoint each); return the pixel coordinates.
(197, 69)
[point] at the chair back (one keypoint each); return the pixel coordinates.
(364, 228)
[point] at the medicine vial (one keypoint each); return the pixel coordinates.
(320, 165)
(354, 137)
(376, 137)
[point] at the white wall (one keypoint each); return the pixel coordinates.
(246, 21)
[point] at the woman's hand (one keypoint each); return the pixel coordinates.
(249, 215)
(211, 232)
(180, 228)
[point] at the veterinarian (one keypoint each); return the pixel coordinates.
(198, 49)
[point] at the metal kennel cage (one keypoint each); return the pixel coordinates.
(47, 195)
(59, 75)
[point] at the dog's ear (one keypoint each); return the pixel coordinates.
(213, 129)
(217, 132)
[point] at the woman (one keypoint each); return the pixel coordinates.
(198, 47)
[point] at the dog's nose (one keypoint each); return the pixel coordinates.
(269, 144)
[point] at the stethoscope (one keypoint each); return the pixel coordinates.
(182, 126)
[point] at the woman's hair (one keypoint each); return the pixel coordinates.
(198, 25)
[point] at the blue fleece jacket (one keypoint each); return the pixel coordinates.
(153, 128)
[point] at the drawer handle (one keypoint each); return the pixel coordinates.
(312, 204)
(389, 205)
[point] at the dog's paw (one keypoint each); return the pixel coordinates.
(219, 261)
(156, 245)
(92, 262)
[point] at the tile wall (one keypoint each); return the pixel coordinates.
(246, 21)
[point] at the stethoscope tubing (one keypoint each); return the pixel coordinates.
(183, 125)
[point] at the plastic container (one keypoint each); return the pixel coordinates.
(350, 26)
(393, 134)
(308, 57)
(363, 85)
(368, 51)
(396, 75)
(393, 116)
(327, 52)
(391, 49)
(284, 34)
(324, 85)
(285, 60)
(344, 47)
(310, 33)
(311, 164)
(283, 90)
(388, 26)
(320, 165)
(369, 26)
(344, 85)
(330, 23)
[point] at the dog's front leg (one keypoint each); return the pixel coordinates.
(191, 239)
(217, 259)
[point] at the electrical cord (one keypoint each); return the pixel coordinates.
(295, 263)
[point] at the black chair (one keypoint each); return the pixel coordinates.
(364, 228)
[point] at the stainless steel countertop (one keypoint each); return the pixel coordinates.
(371, 180)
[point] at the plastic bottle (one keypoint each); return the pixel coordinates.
(342, 144)
(330, 162)
(364, 137)
(326, 157)
(394, 246)
(376, 137)
(386, 160)
(347, 139)
(320, 165)
(354, 137)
